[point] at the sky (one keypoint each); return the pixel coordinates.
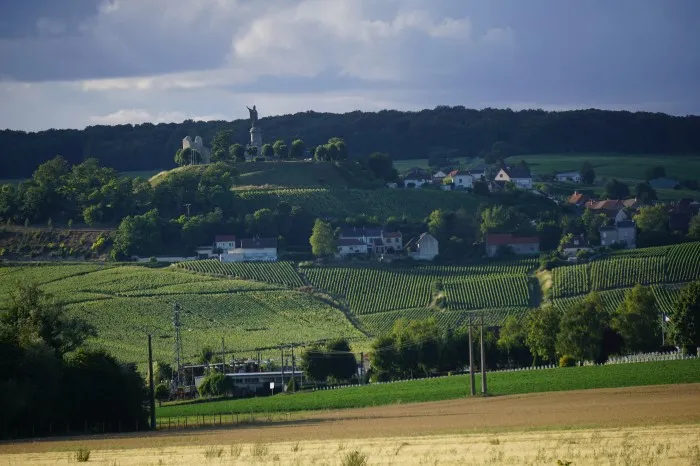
(71, 64)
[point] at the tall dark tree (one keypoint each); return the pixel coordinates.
(581, 329)
(644, 192)
(587, 173)
(382, 166)
(615, 189)
(638, 321)
(297, 149)
(223, 139)
(685, 317)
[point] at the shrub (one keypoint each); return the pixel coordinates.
(292, 385)
(213, 452)
(82, 455)
(567, 361)
(355, 458)
(215, 385)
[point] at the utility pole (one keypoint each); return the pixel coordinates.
(294, 371)
(223, 357)
(362, 367)
(152, 395)
(178, 341)
(483, 359)
(188, 209)
(472, 383)
(282, 359)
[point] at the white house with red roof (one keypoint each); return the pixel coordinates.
(520, 245)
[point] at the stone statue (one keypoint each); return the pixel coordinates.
(253, 116)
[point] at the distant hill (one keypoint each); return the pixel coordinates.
(405, 135)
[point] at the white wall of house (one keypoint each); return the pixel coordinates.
(416, 183)
(465, 181)
(395, 243)
(249, 255)
(571, 252)
(522, 183)
(574, 177)
(226, 245)
(352, 249)
(427, 248)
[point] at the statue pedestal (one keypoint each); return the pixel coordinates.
(256, 139)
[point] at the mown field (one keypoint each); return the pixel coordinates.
(499, 383)
(614, 165)
(126, 302)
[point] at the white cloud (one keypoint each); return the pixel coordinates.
(50, 26)
(140, 115)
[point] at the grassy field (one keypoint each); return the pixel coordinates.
(612, 165)
(445, 388)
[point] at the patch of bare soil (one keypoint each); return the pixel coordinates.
(603, 408)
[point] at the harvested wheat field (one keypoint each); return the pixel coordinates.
(643, 425)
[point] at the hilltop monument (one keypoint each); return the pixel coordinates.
(197, 145)
(255, 131)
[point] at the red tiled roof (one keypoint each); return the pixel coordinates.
(393, 234)
(453, 173)
(222, 238)
(501, 239)
(577, 197)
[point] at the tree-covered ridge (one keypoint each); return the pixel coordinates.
(404, 135)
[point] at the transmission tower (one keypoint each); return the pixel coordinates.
(178, 340)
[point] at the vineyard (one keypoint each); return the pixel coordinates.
(382, 322)
(665, 297)
(125, 302)
(382, 203)
(665, 264)
(372, 289)
(281, 273)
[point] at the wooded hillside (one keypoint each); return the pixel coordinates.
(404, 135)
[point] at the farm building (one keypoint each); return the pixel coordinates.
(424, 247)
(252, 250)
(252, 382)
(521, 245)
(519, 176)
(624, 233)
(225, 242)
(568, 177)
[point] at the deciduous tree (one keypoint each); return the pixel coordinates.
(638, 321)
(685, 318)
(322, 239)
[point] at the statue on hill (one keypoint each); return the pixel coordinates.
(253, 116)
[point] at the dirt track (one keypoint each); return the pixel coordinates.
(638, 406)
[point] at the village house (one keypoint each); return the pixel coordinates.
(224, 242)
(251, 250)
(416, 178)
(366, 240)
(572, 248)
(568, 177)
(424, 247)
(462, 179)
(438, 177)
(614, 209)
(520, 245)
(622, 233)
(478, 173)
(519, 176)
(351, 246)
(578, 199)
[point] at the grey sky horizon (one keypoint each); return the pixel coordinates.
(88, 62)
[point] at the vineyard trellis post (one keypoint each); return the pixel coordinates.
(471, 359)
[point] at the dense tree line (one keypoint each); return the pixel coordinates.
(51, 383)
(404, 135)
(587, 331)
